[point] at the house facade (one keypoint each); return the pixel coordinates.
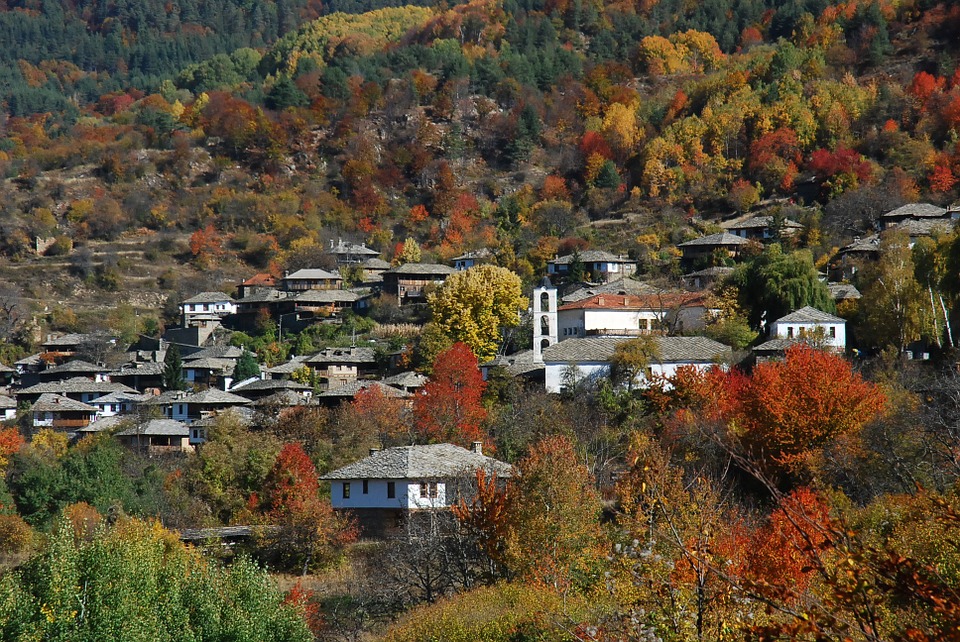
(812, 324)
(626, 315)
(206, 309)
(597, 265)
(409, 282)
(311, 279)
(385, 487)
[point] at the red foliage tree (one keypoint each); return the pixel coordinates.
(593, 143)
(10, 444)
(923, 85)
(774, 158)
(449, 408)
(206, 244)
(827, 165)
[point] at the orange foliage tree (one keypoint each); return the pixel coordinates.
(449, 408)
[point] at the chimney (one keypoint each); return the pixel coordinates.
(374, 451)
(600, 300)
(478, 447)
(331, 244)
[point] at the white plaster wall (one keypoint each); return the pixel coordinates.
(839, 342)
(553, 373)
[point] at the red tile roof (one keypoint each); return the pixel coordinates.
(663, 301)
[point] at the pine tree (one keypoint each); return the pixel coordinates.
(173, 369)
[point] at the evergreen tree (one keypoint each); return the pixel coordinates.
(173, 369)
(246, 367)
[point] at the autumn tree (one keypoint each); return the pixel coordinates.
(449, 408)
(310, 534)
(474, 305)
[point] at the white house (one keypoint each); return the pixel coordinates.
(814, 324)
(626, 315)
(596, 263)
(588, 359)
(8, 408)
(385, 486)
(206, 309)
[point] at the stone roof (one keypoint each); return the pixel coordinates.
(327, 296)
(76, 385)
(759, 222)
(841, 291)
(209, 297)
(482, 253)
(213, 352)
(375, 263)
(617, 286)
(4, 368)
(259, 385)
(209, 363)
(591, 256)
(720, 239)
(916, 210)
(434, 461)
(809, 314)
(32, 360)
(263, 296)
(669, 350)
(139, 368)
(715, 271)
(351, 388)
(407, 379)
(281, 398)
(104, 423)
(427, 269)
(343, 355)
(7, 402)
(926, 227)
(49, 402)
(867, 244)
(289, 367)
(212, 396)
(242, 414)
(311, 274)
(661, 301)
(75, 339)
(517, 364)
(779, 344)
(157, 428)
(119, 397)
(345, 247)
(77, 365)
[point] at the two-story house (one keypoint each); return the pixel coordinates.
(206, 309)
(409, 282)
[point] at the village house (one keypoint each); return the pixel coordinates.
(8, 408)
(705, 278)
(707, 249)
(762, 228)
(61, 413)
(157, 437)
(75, 368)
(470, 259)
(826, 330)
(346, 253)
(409, 282)
(335, 367)
(626, 315)
(79, 389)
(321, 304)
(347, 392)
(311, 279)
(256, 283)
(587, 360)
(597, 265)
(381, 490)
(189, 407)
(914, 212)
(206, 310)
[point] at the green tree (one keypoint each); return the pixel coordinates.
(472, 306)
(776, 283)
(892, 308)
(246, 367)
(631, 359)
(173, 369)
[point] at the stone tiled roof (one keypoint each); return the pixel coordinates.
(618, 286)
(70, 340)
(426, 269)
(482, 253)
(104, 423)
(327, 296)
(157, 428)
(289, 367)
(591, 256)
(49, 402)
(214, 352)
(351, 388)
(311, 274)
(343, 355)
(408, 379)
(759, 222)
(809, 315)
(139, 368)
(7, 402)
(435, 461)
(77, 365)
(209, 363)
(32, 360)
(780, 344)
(916, 210)
(281, 398)
(840, 291)
(715, 271)
(259, 385)
(721, 238)
(210, 297)
(76, 385)
(4, 368)
(212, 396)
(926, 227)
(263, 296)
(517, 364)
(867, 244)
(669, 350)
(375, 264)
(119, 397)
(345, 247)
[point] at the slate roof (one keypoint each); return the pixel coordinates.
(77, 365)
(618, 286)
(311, 274)
(104, 423)
(591, 256)
(327, 296)
(259, 385)
(157, 428)
(49, 402)
(351, 388)
(809, 314)
(211, 396)
(721, 238)
(841, 291)
(867, 244)
(669, 350)
(4, 368)
(209, 297)
(715, 271)
(759, 222)
(343, 355)
(263, 296)
(213, 352)
(375, 264)
(209, 363)
(421, 269)
(926, 227)
(281, 398)
(407, 379)
(119, 397)
(780, 344)
(482, 253)
(7, 402)
(139, 368)
(76, 385)
(75, 339)
(32, 360)
(344, 247)
(517, 364)
(289, 367)
(662, 301)
(434, 461)
(916, 210)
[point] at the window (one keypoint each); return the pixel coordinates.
(833, 332)
(391, 490)
(346, 490)
(366, 486)
(428, 489)
(789, 332)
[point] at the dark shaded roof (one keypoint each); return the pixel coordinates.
(926, 227)
(669, 350)
(7, 402)
(138, 368)
(351, 388)
(779, 344)
(213, 352)
(77, 365)
(327, 296)
(867, 244)
(344, 355)
(715, 271)
(209, 363)
(434, 461)
(76, 385)
(75, 339)
(916, 210)
(421, 269)
(721, 238)
(375, 264)
(809, 314)
(617, 286)
(407, 379)
(517, 364)
(120, 397)
(157, 428)
(209, 297)
(49, 402)
(289, 367)
(840, 291)
(264, 296)
(104, 423)
(591, 256)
